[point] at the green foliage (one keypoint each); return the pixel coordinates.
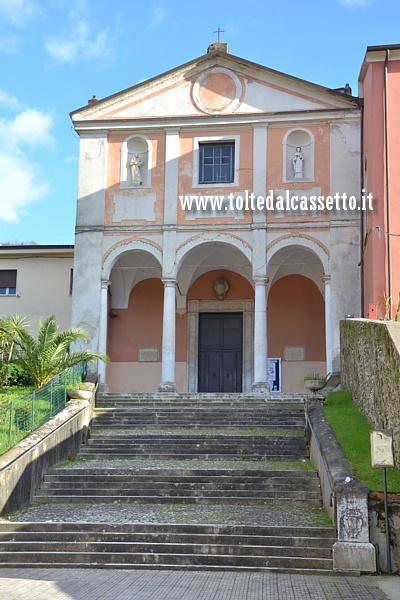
(11, 327)
(48, 355)
(18, 375)
(314, 376)
(352, 430)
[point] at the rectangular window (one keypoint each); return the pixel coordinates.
(8, 282)
(217, 162)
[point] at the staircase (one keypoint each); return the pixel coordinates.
(209, 482)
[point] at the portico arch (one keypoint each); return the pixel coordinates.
(200, 261)
(299, 307)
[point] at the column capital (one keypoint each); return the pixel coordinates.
(261, 280)
(105, 283)
(169, 282)
(326, 278)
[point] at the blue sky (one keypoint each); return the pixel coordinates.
(55, 54)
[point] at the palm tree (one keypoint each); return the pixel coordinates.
(11, 328)
(49, 355)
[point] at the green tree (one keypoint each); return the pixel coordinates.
(11, 329)
(49, 355)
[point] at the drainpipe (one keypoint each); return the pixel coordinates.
(389, 248)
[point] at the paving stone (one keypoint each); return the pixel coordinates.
(90, 584)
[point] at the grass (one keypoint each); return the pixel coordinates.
(352, 430)
(21, 413)
(8, 394)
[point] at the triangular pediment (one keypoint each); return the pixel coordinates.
(215, 84)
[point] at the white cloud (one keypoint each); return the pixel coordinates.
(8, 100)
(158, 15)
(19, 186)
(29, 128)
(19, 12)
(355, 3)
(77, 44)
(20, 180)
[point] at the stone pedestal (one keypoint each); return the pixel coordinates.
(353, 550)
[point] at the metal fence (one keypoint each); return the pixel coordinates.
(23, 415)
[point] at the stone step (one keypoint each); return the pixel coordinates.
(310, 531)
(172, 428)
(193, 398)
(146, 494)
(200, 413)
(118, 482)
(164, 546)
(222, 444)
(213, 456)
(167, 561)
(168, 537)
(134, 547)
(187, 497)
(125, 421)
(203, 409)
(220, 474)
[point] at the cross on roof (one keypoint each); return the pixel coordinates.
(219, 31)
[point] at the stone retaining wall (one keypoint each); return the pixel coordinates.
(370, 363)
(344, 497)
(377, 528)
(24, 465)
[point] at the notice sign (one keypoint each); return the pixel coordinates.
(382, 448)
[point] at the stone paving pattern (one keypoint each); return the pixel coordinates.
(89, 584)
(215, 514)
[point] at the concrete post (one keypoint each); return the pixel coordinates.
(168, 339)
(260, 382)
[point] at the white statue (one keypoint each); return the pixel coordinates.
(135, 165)
(298, 161)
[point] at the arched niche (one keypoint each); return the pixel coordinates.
(136, 162)
(298, 147)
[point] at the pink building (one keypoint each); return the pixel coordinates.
(379, 87)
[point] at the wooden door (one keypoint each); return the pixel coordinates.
(220, 352)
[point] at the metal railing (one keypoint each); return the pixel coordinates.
(23, 415)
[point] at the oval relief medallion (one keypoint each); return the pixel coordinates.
(218, 90)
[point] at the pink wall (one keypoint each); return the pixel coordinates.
(138, 326)
(296, 317)
(375, 253)
(202, 288)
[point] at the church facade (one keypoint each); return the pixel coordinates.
(218, 232)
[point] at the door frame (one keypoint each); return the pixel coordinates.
(197, 306)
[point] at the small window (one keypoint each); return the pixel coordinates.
(8, 282)
(217, 162)
(71, 281)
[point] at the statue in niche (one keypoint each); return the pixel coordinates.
(298, 163)
(135, 165)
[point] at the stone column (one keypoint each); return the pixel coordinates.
(260, 381)
(101, 370)
(168, 339)
(328, 324)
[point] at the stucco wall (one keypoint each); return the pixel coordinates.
(370, 364)
(43, 287)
